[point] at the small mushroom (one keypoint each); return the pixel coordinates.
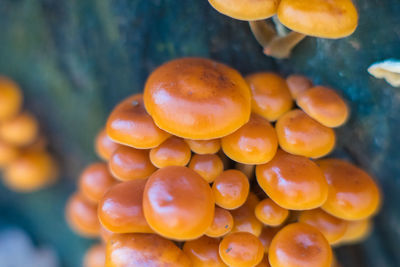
(104, 146)
(222, 223)
(244, 218)
(209, 166)
(172, 152)
(266, 236)
(356, 232)
(21, 130)
(201, 147)
(203, 252)
(10, 99)
(298, 84)
(269, 213)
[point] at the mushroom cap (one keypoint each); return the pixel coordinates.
(20, 130)
(209, 166)
(172, 152)
(95, 256)
(81, 215)
(298, 84)
(129, 124)
(254, 143)
(269, 213)
(331, 227)
(10, 98)
(353, 194)
(270, 95)
(203, 252)
(319, 18)
(324, 105)
(8, 153)
(178, 203)
(95, 180)
(293, 182)
(231, 189)
(128, 163)
(201, 147)
(299, 134)
(246, 9)
(266, 236)
(244, 218)
(241, 249)
(356, 231)
(104, 146)
(222, 223)
(197, 98)
(299, 244)
(30, 171)
(132, 250)
(120, 209)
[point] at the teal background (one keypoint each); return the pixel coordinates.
(76, 59)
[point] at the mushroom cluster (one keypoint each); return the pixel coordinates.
(319, 18)
(25, 163)
(208, 168)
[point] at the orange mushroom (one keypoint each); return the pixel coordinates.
(356, 232)
(254, 143)
(197, 98)
(244, 219)
(203, 252)
(104, 233)
(129, 124)
(132, 250)
(95, 256)
(10, 99)
(269, 213)
(324, 105)
(222, 223)
(128, 163)
(209, 166)
(20, 130)
(298, 245)
(95, 180)
(353, 194)
(293, 182)
(299, 134)
(270, 95)
(331, 227)
(298, 84)
(231, 189)
(81, 216)
(120, 209)
(30, 171)
(104, 146)
(201, 147)
(172, 152)
(241, 249)
(178, 203)
(8, 153)
(266, 236)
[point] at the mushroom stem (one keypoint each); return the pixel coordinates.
(262, 31)
(280, 29)
(280, 47)
(247, 169)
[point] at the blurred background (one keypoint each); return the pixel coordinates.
(75, 60)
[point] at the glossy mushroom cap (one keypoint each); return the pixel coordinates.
(298, 245)
(222, 223)
(95, 180)
(129, 124)
(209, 166)
(201, 147)
(353, 194)
(298, 84)
(320, 18)
(241, 249)
(331, 227)
(21, 130)
(81, 216)
(270, 95)
(254, 143)
(246, 9)
(133, 250)
(244, 219)
(266, 236)
(120, 209)
(269, 213)
(178, 203)
(324, 105)
(8, 153)
(299, 134)
(203, 252)
(356, 231)
(30, 171)
(293, 182)
(128, 163)
(10, 99)
(231, 189)
(172, 152)
(95, 256)
(197, 98)
(104, 146)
